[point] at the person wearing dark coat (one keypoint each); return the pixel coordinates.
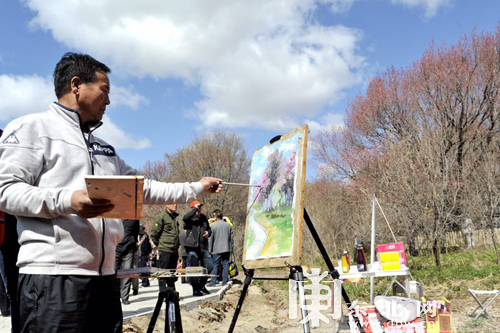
(124, 255)
(145, 249)
(184, 256)
(9, 250)
(4, 295)
(197, 233)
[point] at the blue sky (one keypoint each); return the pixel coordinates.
(258, 68)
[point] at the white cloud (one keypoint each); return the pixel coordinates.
(339, 6)
(257, 63)
(326, 122)
(127, 97)
(21, 95)
(118, 138)
(430, 6)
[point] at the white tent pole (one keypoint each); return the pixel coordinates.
(372, 249)
(386, 220)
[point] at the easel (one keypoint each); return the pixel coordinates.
(296, 274)
(173, 322)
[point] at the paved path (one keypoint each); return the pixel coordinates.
(260, 237)
(145, 302)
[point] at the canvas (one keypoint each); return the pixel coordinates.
(273, 230)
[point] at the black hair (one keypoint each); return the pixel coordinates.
(76, 64)
(1, 132)
(218, 214)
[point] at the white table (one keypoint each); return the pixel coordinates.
(404, 272)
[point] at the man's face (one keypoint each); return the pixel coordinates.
(93, 98)
(171, 207)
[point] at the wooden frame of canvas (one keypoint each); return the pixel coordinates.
(298, 208)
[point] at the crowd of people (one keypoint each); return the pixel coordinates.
(197, 242)
(59, 257)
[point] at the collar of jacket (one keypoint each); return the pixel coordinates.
(173, 214)
(71, 116)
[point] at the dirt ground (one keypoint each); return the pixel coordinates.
(461, 308)
(267, 311)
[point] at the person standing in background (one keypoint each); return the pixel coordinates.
(145, 249)
(135, 281)
(165, 237)
(124, 255)
(197, 233)
(4, 295)
(184, 256)
(221, 245)
(9, 250)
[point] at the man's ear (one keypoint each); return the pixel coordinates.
(76, 82)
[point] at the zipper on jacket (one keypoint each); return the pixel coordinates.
(102, 246)
(103, 224)
(90, 151)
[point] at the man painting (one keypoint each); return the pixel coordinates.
(67, 279)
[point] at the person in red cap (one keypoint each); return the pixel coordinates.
(196, 245)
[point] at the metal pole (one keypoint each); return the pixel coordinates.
(248, 281)
(372, 250)
(156, 312)
(298, 275)
(333, 272)
(173, 312)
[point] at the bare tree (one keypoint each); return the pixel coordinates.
(219, 154)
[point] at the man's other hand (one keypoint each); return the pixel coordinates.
(205, 234)
(88, 208)
(211, 184)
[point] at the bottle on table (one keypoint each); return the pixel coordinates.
(361, 258)
(346, 262)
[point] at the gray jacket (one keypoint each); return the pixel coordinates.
(221, 240)
(44, 157)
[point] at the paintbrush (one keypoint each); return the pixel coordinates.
(240, 184)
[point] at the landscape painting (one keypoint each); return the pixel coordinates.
(273, 231)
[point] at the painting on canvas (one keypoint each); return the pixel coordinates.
(273, 231)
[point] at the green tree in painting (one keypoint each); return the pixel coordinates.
(272, 176)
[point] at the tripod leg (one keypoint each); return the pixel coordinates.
(173, 323)
(333, 272)
(248, 280)
(298, 276)
(156, 312)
